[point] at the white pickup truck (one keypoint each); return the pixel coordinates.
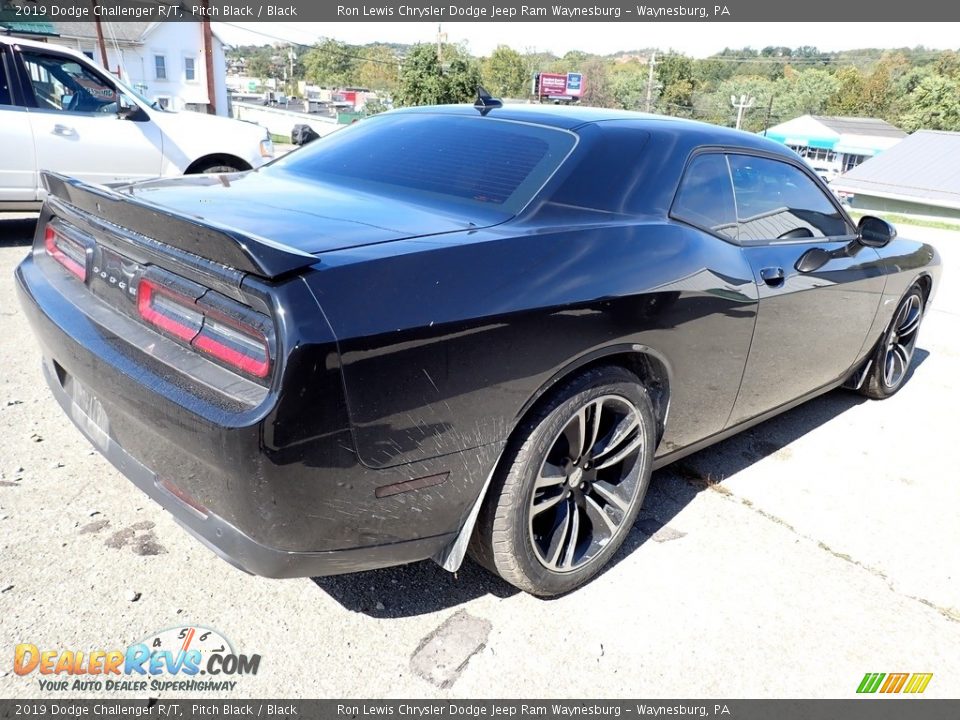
(59, 111)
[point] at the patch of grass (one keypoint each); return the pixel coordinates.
(907, 220)
(700, 480)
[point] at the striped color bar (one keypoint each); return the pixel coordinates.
(894, 683)
(870, 682)
(918, 683)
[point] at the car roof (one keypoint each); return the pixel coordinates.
(11, 40)
(571, 117)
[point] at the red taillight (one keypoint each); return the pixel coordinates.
(168, 310)
(227, 333)
(66, 251)
(243, 347)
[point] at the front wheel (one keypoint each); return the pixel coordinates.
(891, 361)
(570, 485)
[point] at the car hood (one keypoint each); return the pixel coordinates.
(308, 215)
(215, 126)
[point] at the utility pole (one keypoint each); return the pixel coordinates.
(766, 120)
(652, 63)
(744, 104)
(208, 56)
(291, 56)
(439, 45)
(103, 46)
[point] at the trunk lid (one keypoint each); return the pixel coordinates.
(306, 215)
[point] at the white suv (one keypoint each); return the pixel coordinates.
(59, 111)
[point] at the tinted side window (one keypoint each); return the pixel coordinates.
(705, 197)
(776, 201)
(61, 83)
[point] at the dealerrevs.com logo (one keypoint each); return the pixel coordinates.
(187, 659)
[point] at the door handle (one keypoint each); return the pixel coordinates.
(772, 276)
(64, 130)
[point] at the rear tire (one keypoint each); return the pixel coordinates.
(892, 358)
(570, 484)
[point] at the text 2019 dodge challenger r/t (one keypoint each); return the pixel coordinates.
(442, 328)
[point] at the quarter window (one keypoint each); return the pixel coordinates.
(777, 201)
(160, 67)
(4, 89)
(705, 197)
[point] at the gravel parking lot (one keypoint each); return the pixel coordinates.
(785, 562)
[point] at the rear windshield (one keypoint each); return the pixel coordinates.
(478, 161)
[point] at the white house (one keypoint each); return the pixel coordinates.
(163, 61)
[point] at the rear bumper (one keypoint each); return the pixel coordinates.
(227, 541)
(259, 509)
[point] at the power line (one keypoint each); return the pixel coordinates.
(341, 53)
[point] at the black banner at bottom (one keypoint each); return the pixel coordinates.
(874, 708)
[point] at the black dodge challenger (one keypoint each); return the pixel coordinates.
(444, 329)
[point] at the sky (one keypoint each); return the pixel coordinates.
(690, 38)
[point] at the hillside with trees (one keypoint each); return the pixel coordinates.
(910, 87)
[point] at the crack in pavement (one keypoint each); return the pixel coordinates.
(701, 483)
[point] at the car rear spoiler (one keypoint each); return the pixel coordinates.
(231, 247)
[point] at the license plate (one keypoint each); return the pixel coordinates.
(88, 413)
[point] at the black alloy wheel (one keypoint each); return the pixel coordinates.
(570, 484)
(892, 358)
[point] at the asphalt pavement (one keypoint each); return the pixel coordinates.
(785, 562)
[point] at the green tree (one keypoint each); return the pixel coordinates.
(715, 107)
(331, 63)
(675, 76)
(597, 88)
(505, 73)
(374, 107)
(872, 94)
(424, 82)
(948, 64)
(628, 85)
(573, 61)
(462, 79)
(258, 66)
(807, 92)
(934, 105)
(379, 70)
(847, 97)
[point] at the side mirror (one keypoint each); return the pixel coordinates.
(874, 232)
(129, 110)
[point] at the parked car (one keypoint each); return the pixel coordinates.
(59, 111)
(442, 327)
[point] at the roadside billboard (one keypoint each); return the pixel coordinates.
(559, 85)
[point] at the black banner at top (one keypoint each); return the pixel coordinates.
(192, 709)
(636, 11)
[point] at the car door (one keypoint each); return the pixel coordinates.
(818, 287)
(708, 353)
(76, 125)
(18, 169)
